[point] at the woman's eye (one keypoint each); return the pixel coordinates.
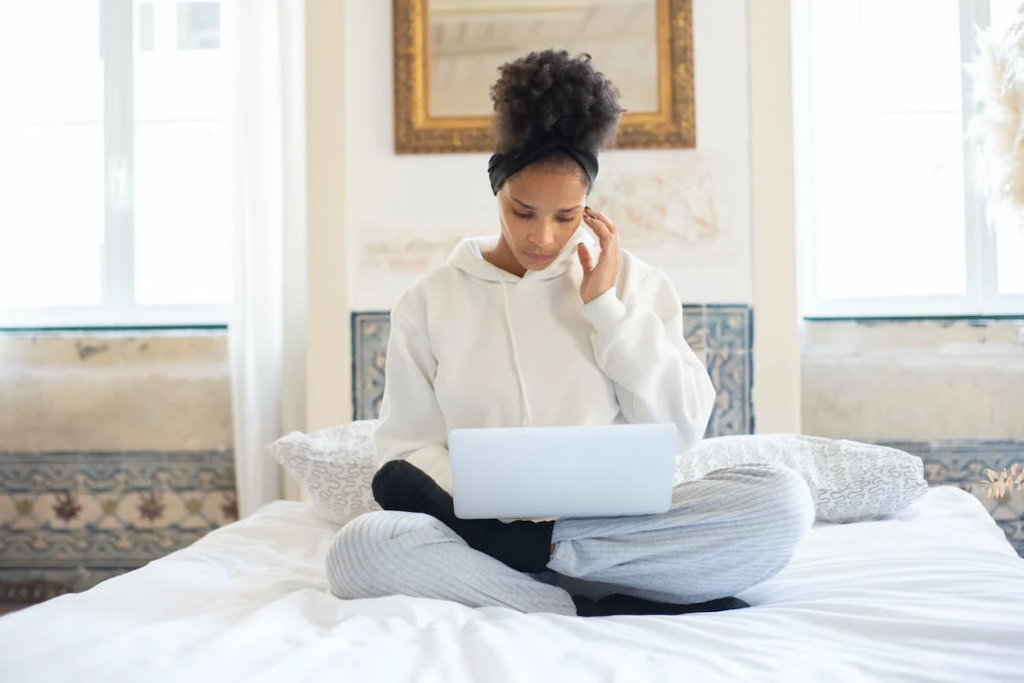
(566, 219)
(522, 215)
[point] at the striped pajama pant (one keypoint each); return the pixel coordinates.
(723, 534)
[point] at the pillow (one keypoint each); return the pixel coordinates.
(336, 466)
(849, 481)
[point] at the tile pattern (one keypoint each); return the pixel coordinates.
(963, 464)
(370, 332)
(720, 334)
(70, 520)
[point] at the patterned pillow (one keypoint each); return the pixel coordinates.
(336, 466)
(849, 481)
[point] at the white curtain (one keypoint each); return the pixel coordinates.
(253, 29)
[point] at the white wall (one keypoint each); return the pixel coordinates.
(405, 212)
(114, 392)
(776, 392)
(321, 160)
(914, 380)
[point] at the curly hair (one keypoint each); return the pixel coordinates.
(549, 93)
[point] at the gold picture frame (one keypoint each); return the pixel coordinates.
(417, 132)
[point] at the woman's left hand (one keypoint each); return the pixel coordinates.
(599, 278)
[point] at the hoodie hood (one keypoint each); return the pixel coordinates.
(468, 257)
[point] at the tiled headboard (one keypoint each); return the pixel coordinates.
(70, 520)
(722, 336)
(719, 334)
(963, 463)
(115, 450)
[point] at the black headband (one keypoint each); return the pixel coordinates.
(502, 166)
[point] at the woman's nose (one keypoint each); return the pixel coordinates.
(544, 236)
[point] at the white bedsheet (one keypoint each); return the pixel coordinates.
(935, 595)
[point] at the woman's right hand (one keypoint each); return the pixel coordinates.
(600, 277)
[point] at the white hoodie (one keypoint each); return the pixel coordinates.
(474, 346)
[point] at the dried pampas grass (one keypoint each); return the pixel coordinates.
(998, 125)
(1001, 485)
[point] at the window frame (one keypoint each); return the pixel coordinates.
(119, 308)
(982, 297)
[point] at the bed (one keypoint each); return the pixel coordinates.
(932, 594)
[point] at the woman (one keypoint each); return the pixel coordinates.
(533, 329)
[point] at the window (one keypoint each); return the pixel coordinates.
(891, 213)
(116, 167)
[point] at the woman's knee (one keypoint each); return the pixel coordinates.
(774, 496)
(778, 505)
(782, 504)
(370, 552)
(789, 496)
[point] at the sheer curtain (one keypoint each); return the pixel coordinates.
(255, 331)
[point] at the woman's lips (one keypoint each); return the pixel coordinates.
(538, 258)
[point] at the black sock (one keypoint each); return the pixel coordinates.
(524, 546)
(625, 604)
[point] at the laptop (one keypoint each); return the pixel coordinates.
(544, 472)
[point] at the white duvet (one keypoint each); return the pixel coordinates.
(936, 594)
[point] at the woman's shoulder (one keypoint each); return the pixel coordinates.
(637, 274)
(424, 293)
(648, 286)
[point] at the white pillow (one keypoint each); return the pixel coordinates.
(849, 481)
(336, 466)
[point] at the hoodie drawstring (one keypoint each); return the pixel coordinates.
(515, 353)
